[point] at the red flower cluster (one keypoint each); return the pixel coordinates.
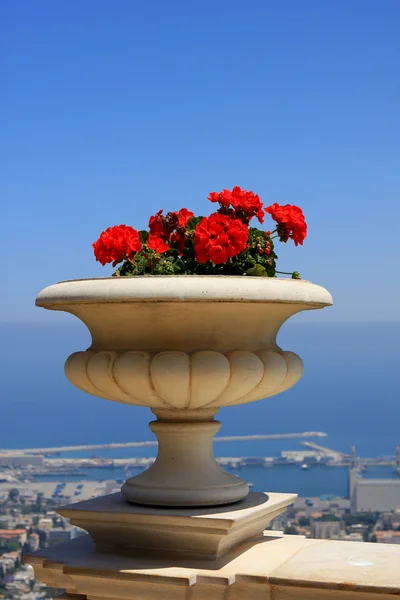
(178, 243)
(291, 223)
(219, 237)
(168, 230)
(116, 243)
(245, 205)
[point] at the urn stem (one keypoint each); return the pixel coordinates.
(185, 472)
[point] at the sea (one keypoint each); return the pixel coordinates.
(350, 391)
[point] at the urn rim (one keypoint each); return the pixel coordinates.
(184, 288)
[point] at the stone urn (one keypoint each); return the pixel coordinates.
(184, 346)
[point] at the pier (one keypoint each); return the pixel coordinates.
(114, 446)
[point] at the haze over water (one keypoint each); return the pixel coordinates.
(349, 390)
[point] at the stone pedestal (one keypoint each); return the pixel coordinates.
(197, 533)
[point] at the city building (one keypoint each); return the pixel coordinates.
(373, 495)
(325, 530)
(57, 535)
(21, 460)
(13, 535)
(301, 456)
(8, 562)
(33, 541)
(352, 537)
(388, 537)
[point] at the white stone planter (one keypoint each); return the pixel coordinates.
(184, 347)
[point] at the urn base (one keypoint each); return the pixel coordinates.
(185, 472)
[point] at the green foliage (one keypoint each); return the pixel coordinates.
(367, 533)
(8, 547)
(51, 592)
(328, 517)
(56, 540)
(37, 508)
(291, 530)
(58, 522)
(257, 271)
(193, 222)
(42, 538)
(254, 261)
(148, 262)
(143, 236)
(13, 495)
(363, 518)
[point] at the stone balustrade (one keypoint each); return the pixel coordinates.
(276, 567)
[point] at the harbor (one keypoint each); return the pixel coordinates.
(29, 464)
(312, 469)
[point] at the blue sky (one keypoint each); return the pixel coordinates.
(112, 110)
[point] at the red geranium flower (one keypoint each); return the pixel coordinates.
(116, 243)
(246, 205)
(219, 237)
(157, 243)
(291, 222)
(158, 225)
(183, 216)
(168, 230)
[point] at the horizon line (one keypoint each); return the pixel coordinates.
(305, 322)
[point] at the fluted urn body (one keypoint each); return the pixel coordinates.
(184, 347)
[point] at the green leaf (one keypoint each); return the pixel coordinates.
(296, 275)
(143, 236)
(193, 222)
(257, 271)
(254, 232)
